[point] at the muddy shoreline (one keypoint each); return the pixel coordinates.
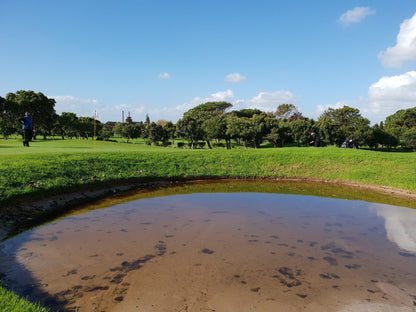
(25, 214)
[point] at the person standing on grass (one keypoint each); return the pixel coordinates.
(316, 141)
(27, 123)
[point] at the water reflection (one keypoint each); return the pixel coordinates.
(236, 251)
(400, 225)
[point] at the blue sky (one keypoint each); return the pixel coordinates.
(165, 57)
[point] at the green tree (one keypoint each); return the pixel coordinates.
(41, 108)
(348, 120)
(190, 129)
(301, 131)
(247, 112)
(216, 129)
(288, 112)
(8, 122)
(67, 125)
(200, 114)
(278, 132)
(400, 123)
(128, 131)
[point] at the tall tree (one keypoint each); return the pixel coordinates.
(347, 120)
(400, 125)
(288, 112)
(38, 105)
(8, 122)
(201, 114)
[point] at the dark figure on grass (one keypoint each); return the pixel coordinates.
(316, 141)
(27, 123)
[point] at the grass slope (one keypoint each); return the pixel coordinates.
(54, 166)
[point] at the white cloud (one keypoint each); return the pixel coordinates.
(87, 107)
(385, 97)
(321, 108)
(405, 48)
(389, 95)
(264, 101)
(235, 77)
(355, 15)
(267, 101)
(164, 76)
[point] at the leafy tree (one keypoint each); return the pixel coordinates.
(158, 134)
(86, 127)
(347, 120)
(278, 133)
(409, 138)
(288, 112)
(400, 123)
(170, 129)
(381, 137)
(301, 131)
(201, 113)
(247, 112)
(106, 132)
(41, 108)
(128, 131)
(8, 123)
(239, 129)
(216, 129)
(190, 129)
(67, 125)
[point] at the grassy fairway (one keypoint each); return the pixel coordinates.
(51, 166)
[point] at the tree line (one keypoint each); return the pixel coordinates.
(216, 124)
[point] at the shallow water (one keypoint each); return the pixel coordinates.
(238, 251)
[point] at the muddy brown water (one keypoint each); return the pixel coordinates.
(235, 246)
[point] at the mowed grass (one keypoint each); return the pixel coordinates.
(56, 165)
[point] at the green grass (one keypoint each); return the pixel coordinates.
(10, 302)
(53, 166)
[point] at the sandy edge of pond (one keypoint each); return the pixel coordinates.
(24, 214)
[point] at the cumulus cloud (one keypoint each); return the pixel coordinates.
(405, 48)
(87, 107)
(385, 97)
(389, 95)
(267, 101)
(164, 76)
(321, 108)
(235, 77)
(355, 15)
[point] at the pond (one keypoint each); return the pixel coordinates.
(222, 246)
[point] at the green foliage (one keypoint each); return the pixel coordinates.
(344, 123)
(401, 125)
(288, 112)
(247, 112)
(41, 108)
(10, 302)
(128, 131)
